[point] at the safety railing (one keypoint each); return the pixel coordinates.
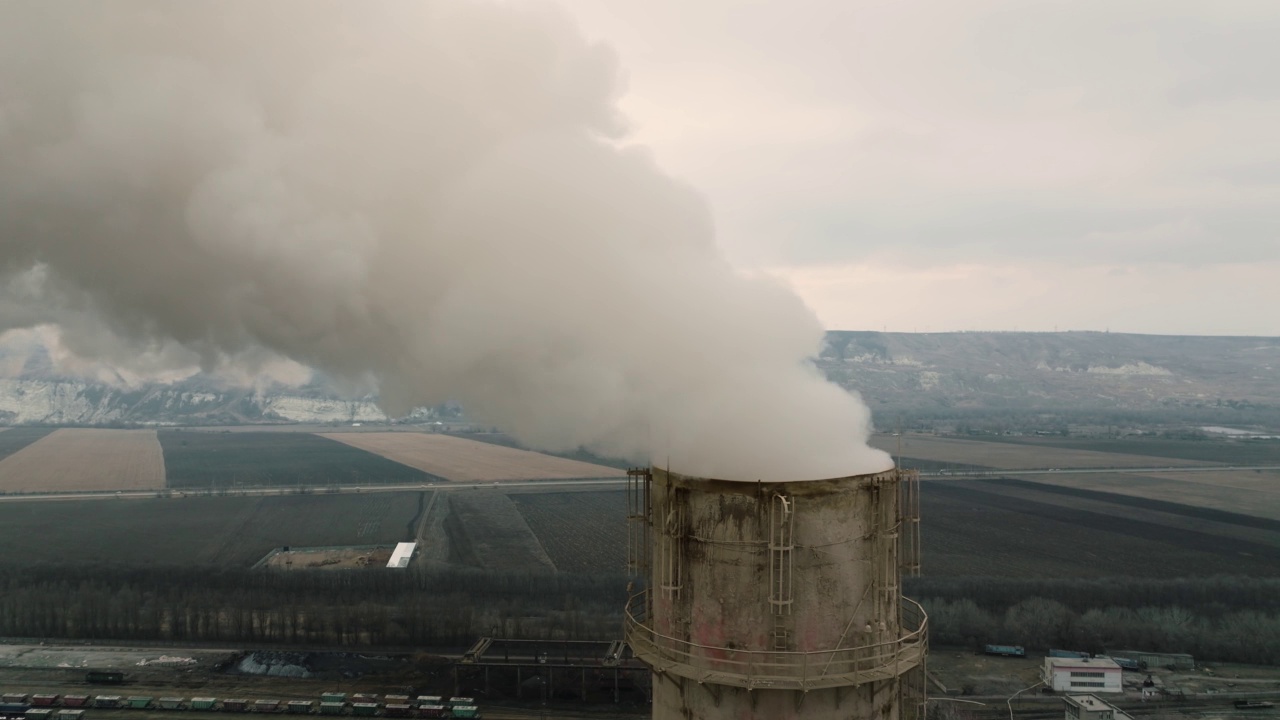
(766, 669)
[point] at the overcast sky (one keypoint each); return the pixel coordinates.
(975, 165)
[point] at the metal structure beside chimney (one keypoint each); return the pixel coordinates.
(777, 600)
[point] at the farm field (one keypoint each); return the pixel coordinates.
(464, 460)
(992, 527)
(977, 528)
(347, 558)
(14, 439)
(998, 527)
(1157, 524)
(487, 531)
(1209, 523)
(226, 531)
(499, 438)
(1254, 493)
(196, 459)
(1230, 452)
(72, 459)
(1012, 455)
(595, 546)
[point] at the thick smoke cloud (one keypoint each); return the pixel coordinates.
(432, 199)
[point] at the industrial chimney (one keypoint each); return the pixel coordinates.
(777, 600)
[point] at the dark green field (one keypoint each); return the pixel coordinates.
(14, 439)
(230, 531)
(274, 459)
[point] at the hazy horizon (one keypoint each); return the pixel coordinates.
(947, 166)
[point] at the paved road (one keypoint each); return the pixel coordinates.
(968, 474)
(602, 483)
(531, 485)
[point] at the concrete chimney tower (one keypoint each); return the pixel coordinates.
(777, 600)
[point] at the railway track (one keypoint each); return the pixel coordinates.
(1223, 708)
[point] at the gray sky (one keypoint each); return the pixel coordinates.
(979, 164)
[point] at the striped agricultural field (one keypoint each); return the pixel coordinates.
(72, 459)
(465, 460)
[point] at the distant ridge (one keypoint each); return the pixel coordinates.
(1192, 376)
(902, 376)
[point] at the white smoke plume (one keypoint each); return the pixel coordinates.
(433, 198)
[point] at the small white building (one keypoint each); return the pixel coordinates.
(1092, 707)
(1082, 675)
(401, 556)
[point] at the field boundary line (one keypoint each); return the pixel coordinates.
(420, 522)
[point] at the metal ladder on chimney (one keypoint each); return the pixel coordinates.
(639, 521)
(909, 517)
(671, 560)
(781, 545)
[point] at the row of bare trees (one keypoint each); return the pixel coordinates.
(336, 608)
(1229, 619)
(1219, 618)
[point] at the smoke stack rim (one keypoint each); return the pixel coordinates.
(792, 487)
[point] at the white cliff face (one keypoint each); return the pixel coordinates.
(79, 402)
(306, 409)
(55, 402)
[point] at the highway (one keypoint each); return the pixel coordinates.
(584, 484)
(972, 474)
(531, 485)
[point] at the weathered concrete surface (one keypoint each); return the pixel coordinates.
(711, 591)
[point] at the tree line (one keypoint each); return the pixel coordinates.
(1227, 619)
(1234, 619)
(348, 608)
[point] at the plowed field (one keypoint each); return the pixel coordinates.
(1012, 455)
(470, 461)
(1253, 492)
(218, 460)
(209, 530)
(82, 459)
(583, 532)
